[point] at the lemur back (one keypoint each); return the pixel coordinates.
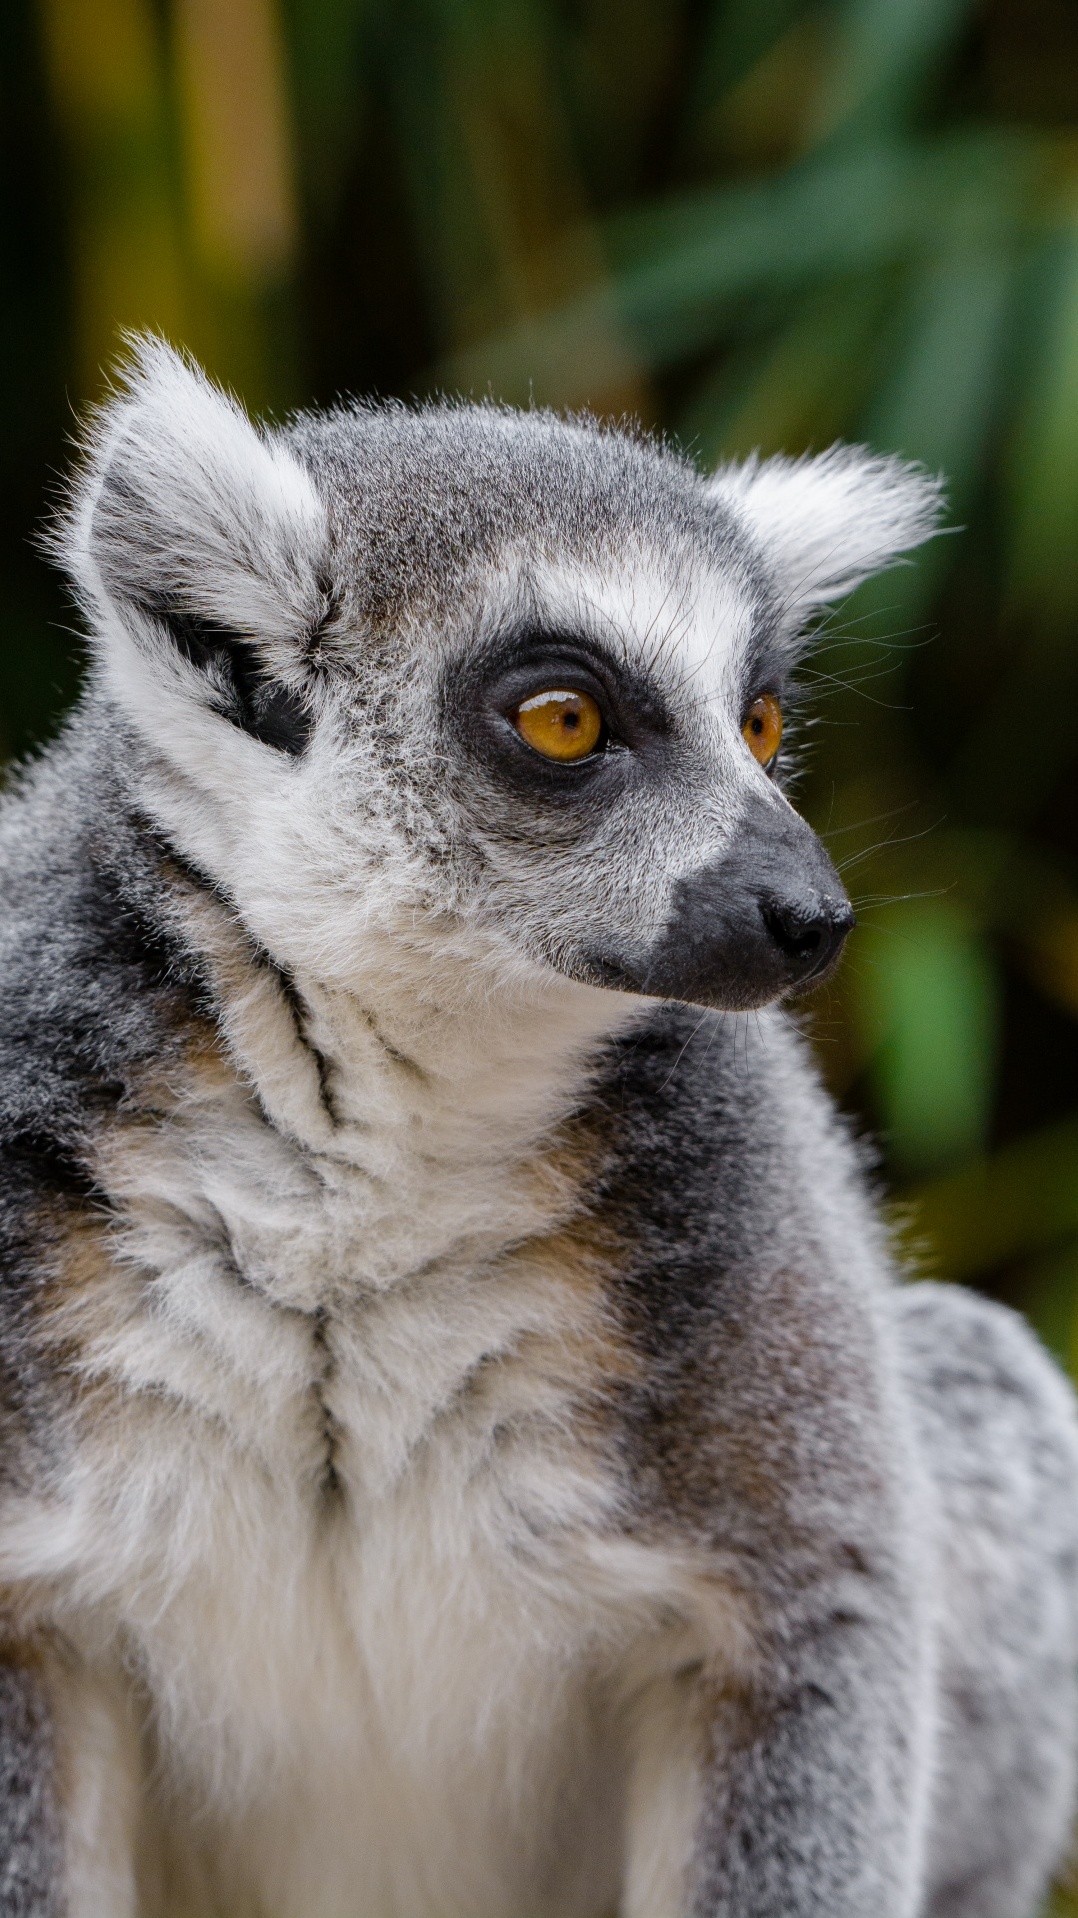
(465, 1448)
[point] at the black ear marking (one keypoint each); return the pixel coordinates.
(256, 703)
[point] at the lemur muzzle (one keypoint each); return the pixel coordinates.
(770, 917)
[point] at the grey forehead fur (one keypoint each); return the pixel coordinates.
(421, 500)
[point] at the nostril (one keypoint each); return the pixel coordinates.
(808, 933)
(798, 934)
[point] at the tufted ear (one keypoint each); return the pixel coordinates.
(197, 540)
(824, 523)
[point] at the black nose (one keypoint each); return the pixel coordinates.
(808, 929)
(768, 918)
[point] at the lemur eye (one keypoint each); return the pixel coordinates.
(762, 731)
(560, 724)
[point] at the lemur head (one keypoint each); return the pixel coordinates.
(466, 682)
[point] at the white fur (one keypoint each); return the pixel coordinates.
(378, 1713)
(218, 512)
(100, 1784)
(664, 1799)
(826, 522)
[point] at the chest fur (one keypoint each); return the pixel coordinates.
(343, 1483)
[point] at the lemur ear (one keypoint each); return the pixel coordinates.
(196, 539)
(824, 523)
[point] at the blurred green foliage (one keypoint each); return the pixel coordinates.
(756, 224)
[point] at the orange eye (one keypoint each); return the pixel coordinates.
(762, 731)
(560, 725)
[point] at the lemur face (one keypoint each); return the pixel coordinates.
(617, 739)
(469, 682)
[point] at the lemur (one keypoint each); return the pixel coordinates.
(467, 1449)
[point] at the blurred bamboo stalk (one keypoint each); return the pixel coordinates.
(508, 231)
(106, 69)
(242, 218)
(237, 138)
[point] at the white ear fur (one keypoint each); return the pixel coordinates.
(181, 499)
(824, 523)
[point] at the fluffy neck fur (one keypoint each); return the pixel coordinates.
(424, 1053)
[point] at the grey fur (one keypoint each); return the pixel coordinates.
(29, 1830)
(878, 1484)
(992, 1415)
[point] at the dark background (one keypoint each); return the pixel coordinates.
(753, 223)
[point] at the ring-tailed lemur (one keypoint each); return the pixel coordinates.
(465, 1453)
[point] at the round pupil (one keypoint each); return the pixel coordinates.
(763, 728)
(560, 723)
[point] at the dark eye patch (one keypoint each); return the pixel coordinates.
(518, 664)
(482, 692)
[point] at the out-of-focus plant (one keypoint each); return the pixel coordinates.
(176, 143)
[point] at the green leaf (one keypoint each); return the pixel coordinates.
(940, 400)
(681, 268)
(1044, 466)
(799, 388)
(928, 998)
(887, 57)
(1022, 1200)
